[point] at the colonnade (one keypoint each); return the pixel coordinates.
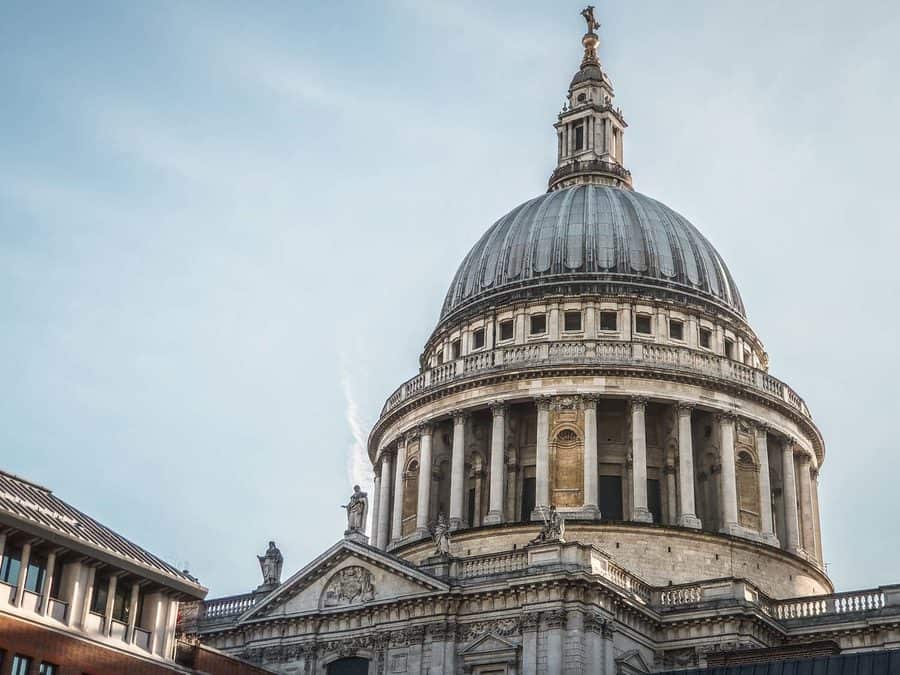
(798, 522)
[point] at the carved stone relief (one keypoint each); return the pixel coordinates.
(349, 586)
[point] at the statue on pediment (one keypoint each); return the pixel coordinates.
(270, 564)
(357, 508)
(440, 535)
(554, 528)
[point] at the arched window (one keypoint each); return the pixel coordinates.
(748, 490)
(410, 497)
(353, 665)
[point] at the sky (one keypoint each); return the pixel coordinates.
(226, 230)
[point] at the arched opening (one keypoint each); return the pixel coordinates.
(353, 665)
(567, 468)
(748, 490)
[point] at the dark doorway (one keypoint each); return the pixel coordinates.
(349, 666)
(610, 497)
(654, 499)
(527, 499)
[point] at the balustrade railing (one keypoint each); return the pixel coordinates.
(680, 595)
(625, 579)
(499, 563)
(824, 605)
(671, 357)
(230, 606)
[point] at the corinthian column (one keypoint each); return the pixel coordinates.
(591, 499)
(498, 469)
(729, 477)
(457, 469)
(424, 498)
(384, 500)
(376, 507)
(542, 452)
(687, 513)
(639, 510)
(397, 519)
(789, 495)
(806, 507)
(765, 488)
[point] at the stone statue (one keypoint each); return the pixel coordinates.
(271, 564)
(440, 535)
(357, 508)
(588, 14)
(554, 528)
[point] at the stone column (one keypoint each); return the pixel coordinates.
(806, 508)
(593, 644)
(671, 493)
(591, 497)
(729, 477)
(817, 523)
(399, 469)
(384, 499)
(789, 492)
(530, 623)
(767, 528)
(498, 468)
(457, 470)
(23, 573)
(555, 623)
(133, 603)
(687, 511)
(49, 573)
(639, 510)
(110, 603)
(542, 452)
(376, 508)
(609, 654)
(424, 499)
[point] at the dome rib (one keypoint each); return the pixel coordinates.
(591, 234)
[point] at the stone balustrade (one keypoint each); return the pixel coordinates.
(233, 605)
(494, 563)
(683, 360)
(825, 605)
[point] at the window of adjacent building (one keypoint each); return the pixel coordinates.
(572, 320)
(538, 324)
(49, 668)
(729, 348)
(101, 592)
(676, 329)
(9, 568)
(20, 665)
(642, 324)
(506, 329)
(121, 603)
(478, 338)
(34, 578)
(609, 321)
(579, 137)
(455, 349)
(706, 338)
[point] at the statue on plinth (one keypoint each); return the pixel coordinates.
(440, 535)
(270, 564)
(357, 508)
(553, 529)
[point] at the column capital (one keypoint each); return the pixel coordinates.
(804, 458)
(499, 408)
(727, 416)
(638, 402)
(543, 402)
(761, 428)
(590, 399)
(460, 416)
(425, 429)
(685, 409)
(401, 439)
(789, 443)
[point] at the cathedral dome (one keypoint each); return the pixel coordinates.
(587, 237)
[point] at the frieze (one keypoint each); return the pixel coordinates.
(498, 627)
(555, 619)
(349, 586)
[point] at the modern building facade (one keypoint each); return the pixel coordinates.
(627, 487)
(76, 597)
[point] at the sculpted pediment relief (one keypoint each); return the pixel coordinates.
(347, 575)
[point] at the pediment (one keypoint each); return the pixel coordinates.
(489, 643)
(346, 576)
(490, 650)
(631, 663)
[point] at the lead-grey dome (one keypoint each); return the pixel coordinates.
(593, 239)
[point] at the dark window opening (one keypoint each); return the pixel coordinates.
(34, 578)
(121, 603)
(478, 339)
(538, 324)
(455, 349)
(609, 321)
(610, 497)
(49, 669)
(676, 329)
(654, 499)
(20, 665)
(729, 348)
(471, 507)
(579, 137)
(572, 321)
(706, 338)
(642, 324)
(506, 329)
(582, 98)
(101, 592)
(9, 568)
(353, 665)
(528, 496)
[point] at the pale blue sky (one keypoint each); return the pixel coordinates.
(226, 229)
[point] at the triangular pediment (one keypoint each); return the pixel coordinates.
(489, 643)
(346, 576)
(631, 663)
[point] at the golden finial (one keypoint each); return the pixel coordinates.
(590, 38)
